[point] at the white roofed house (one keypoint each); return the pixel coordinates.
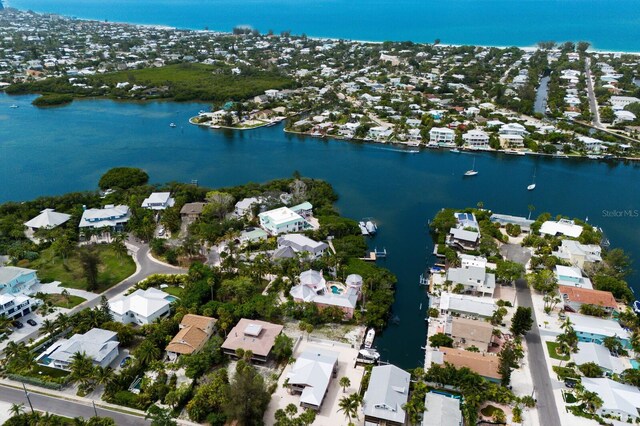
(441, 410)
(473, 279)
(98, 344)
(462, 304)
(571, 276)
(387, 393)
(618, 399)
(476, 139)
(158, 201)
(564, 227)
(244, 207)
(15, 286)
(302, 244)
(579, 254)
(513, 129)
(108, 219)
(282, 220)
(592, 352)
(313, 288)
(440, 135)
(141, 307)
(47, 219)
(464, 239)
(311, 375)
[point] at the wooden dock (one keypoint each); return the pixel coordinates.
(371, 257)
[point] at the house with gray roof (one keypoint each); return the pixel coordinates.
(311, 376)
(387, 393)
(474, 279)
(303, 244)
(98, 344)
(441, 410)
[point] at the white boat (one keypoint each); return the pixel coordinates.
(214, 126)
(172, 125)
(14, 106)
(368, 340)
(369, 354)
(363, 228)
(455, 151)
(636, 307)
(473, 170)
(372, 228)
(533, 183)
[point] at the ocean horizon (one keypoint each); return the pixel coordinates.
(470, 22)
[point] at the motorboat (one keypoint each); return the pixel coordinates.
(455, 151)
(368, 340)
(371, 354)
(14, 106)
(372, 228)
(363, 228)
(533, 182)
(172, 125)
(636, 306)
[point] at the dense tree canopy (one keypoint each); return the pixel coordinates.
(123, 178)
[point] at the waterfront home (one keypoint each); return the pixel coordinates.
(313, 288)
(380, 132)
(441, 410)
(304, 209)
(591, 144)
(47, 219)
(511, 141)
(515, 129)
(195, 331)
(303, 244)
(253, 236)
(574, 297)
(282, 220)
(486, 365)
(571, 276)
(466, 306)
(593, 329)
(620, 102)
(504, 219)
(386, 395)
(467, 260)
(591, 352)
(466, 220)
(110, 218)
(141, 307)
(578, 254)
(564, 227)
(473, 279)
(101, 346)
(15, 280)
(256, 336)
(311, 375)
(244, 207)
(476, 139)
(158, 201)
(468, 333)
(13, 306)
(441, 135)
(192, 211)
(618, 399)
(463, 239)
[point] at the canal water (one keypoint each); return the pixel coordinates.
(57, 150)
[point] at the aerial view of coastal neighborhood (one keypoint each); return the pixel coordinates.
(230, 226)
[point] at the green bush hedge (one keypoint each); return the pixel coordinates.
(35, 381)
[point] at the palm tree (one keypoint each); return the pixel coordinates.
(147, 352)
(349, 406)
(345, 383)
(103, 375)
(82, 370)
(5, 324)
(16, 409)
(531, 208)
(63, 321)
(48, 419)
(48, 327)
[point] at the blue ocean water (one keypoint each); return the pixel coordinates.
(607, 25)
(56, 150)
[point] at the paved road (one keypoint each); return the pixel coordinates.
(66, 408)
(593, 103)
(547, 410)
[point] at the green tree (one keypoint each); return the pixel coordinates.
(90, 261)
(283, 347)
(543, 281)
(440, 339)
(248, 396)
(344, 383)
(160, 416)
(508, 272)
(146, 352)
(218, 204)
(509, 357)
(123, 178)
(522, 321)
(590, 369)
(348, 405)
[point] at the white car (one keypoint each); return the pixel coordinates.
(161, 231)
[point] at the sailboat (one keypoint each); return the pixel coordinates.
(473, 170)
(533, 183)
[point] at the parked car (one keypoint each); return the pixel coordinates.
(17, 324)
(32, 322)
(125, 361)
(161, 232)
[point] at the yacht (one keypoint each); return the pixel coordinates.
(455, 151)
(473, 170)
(14, 106)
(172, 125)
(363, 228)
(368, 340)
(533, 183)
(371, 226)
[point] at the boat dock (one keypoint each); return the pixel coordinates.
(374, 255)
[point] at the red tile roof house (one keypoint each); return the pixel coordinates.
(575, 297)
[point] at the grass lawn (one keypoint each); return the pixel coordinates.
(174, 291)
(61, 301)
(111, 271)
(551, 347)
(490, 410)
(48, 371)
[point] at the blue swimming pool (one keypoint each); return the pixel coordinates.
(171, 298)
(336, 290)
(635, 364)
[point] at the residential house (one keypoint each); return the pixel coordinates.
(303, 244)
(564, 227)
(256, 336)
(303, 209)
(511, 141)
(440, 135)
(192, 211)
(98, 344)
(313, 288)
(592, 352)
(465, 305)
(593, 329)
(110, 217)
(195, 331)
(47, 219)
(244, 207)
(476, 139)
(141, 307)
(467, 333)
(578, 254)
(253, 236)
(282, 220)
(513, 129)
(571, 276)
(473, 279)
(463, 239)
(441, 410)
(386, 395)
(311, 375)
(620, 102)
(158, 201)
(574, 297)
(618, 399)
(486, 365)
(504, 219)
(15, 280)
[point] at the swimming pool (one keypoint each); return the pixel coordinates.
(171, 298)
(336, 290)
(635, 364)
